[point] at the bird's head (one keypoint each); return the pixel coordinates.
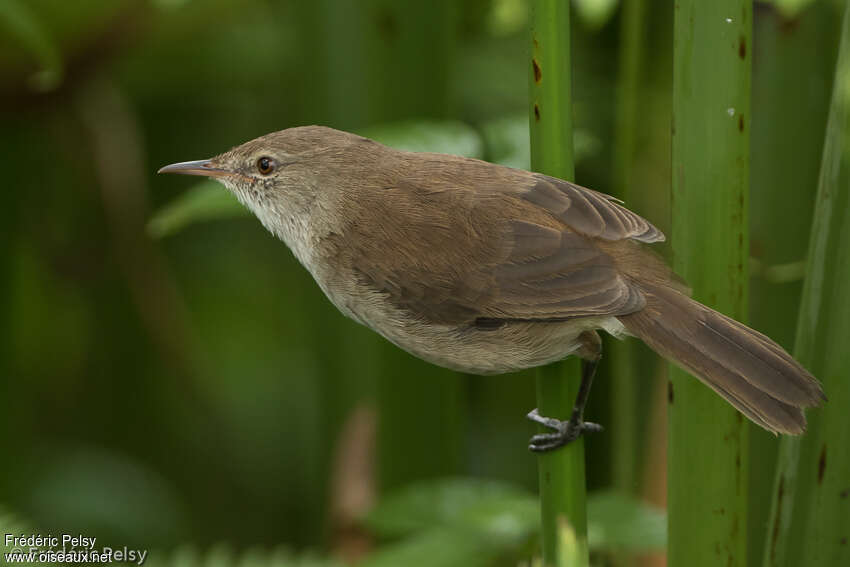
(291, 180)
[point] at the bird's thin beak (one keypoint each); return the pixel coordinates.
(199, 167)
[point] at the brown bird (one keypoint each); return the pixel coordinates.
(486, 269)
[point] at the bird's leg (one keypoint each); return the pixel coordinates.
(567, 431)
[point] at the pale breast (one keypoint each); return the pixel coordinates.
(507, 348)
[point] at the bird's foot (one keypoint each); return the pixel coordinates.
(565, 432)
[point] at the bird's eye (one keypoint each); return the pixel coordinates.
(265, 165)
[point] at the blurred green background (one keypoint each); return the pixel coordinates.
(187, 382)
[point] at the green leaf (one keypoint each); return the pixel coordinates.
(456, 521)
(11, 524)
(447, 137)
(778, 273)
(810, 513)
(166, 5)
(619, 522)
(225, 555)
(92, 489)
(207, 200)
(502, 511)
(507, 17)
(595, 13)
(487, 505)
(22, 25)
(439, 547)
(790, 8)
(506, 140)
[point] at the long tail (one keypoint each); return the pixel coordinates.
(749, 370)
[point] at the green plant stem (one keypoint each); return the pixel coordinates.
(561, 472)
(811, 506)
(624, 374)
(708, 456)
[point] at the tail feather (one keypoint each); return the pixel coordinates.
(749, 370)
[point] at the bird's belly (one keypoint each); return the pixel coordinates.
(513, 346)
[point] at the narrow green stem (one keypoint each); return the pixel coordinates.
(561, 472)
(624, 373)
(811, 504)
(708, 441)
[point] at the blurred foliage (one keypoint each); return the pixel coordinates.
(505, 511)
(595, 13)
(22, 25)
(444, 137)
(208, 372)
(224, 555)
(177, 393)
(204, 201)
(810, 473)
(445, 522)
(510, 514)
(790, 8)
(11, 524)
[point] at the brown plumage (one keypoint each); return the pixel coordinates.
(488, 269)
(749, 370)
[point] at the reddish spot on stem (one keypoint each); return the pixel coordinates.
(670, 392)
(387, 25)
(788, 25)
(821, 464)
(538, 74)
(780, 493)
(740, 122)
(742, 47)
(537, 112)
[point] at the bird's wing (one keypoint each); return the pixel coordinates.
(589, 212)
(555, 275)
(525, 253)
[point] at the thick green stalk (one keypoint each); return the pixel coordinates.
(561, 472)
(708, 457)
(811, 506)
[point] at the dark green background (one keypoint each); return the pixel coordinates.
(194, 388)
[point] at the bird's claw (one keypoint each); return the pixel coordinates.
(564, 433)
